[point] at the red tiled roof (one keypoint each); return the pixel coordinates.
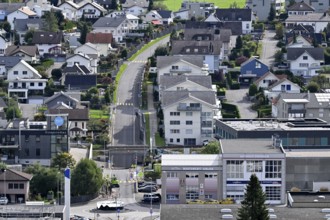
(99, 38)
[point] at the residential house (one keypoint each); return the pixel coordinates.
(251, 70)
(305, 61)
(211, 50)
(80, 82)
(182, 14)
(188, 116)
(28, 53)
(15, 185)
(318, 20)
(88, 48)
(299, 8)
(64, 98)
(78, 119)
(180, 65)
(48, 42)
(267, 80)
(6, 63)
(72, 39)
(132, 20)
(41, 6)
(235, 27)
(135, 7)
(243, 16)
(24, 25)
(106, 4)
(90, 10)
(261, 9)
(303, 36)
(102, 41)
(3, 105)
(81, 59)
(281, 86)
(7, 8)
(21, 13)
(24, 80)
(302, 105)
(74, 70)
(69, 10)
(3, 45)
(195, 10)
(28, 142)
(113, 14)
(319, 6)
(159, 17)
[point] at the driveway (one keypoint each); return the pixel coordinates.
(239, 98)
(268, 48)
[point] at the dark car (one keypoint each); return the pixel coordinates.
(147, 189)
(154, 197)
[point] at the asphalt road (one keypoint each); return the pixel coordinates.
(268, 48)
(127, 104)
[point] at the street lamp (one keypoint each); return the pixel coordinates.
(150, 199)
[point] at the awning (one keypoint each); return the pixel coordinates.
(156, 22)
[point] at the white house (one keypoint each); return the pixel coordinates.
(29, 53)
(135, 7)
(266, 80)
(41, 6)
(318, 20)
(88, 48)
(159, 17)
(305, 61)
(48, 42)
(81, 59)
(182, 14)
(281, 86)
(180, 65)
(24, 80)
(90, 10)
(3, 45)
(69, 10)
(300, 8)
(102, 41)
(21, 13)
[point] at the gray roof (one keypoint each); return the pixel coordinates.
(45, 37)
(30, 50)
(313, 101)
(74, 114)
(109, 22)
(321, 17)
(235, 27)
(165, 13)
(61, 93)
(81, 69)
(234, 14)
(171, 97)
(170, 81)
(213, 34)
(10, 7)
(23, 24)
(281, 81)
(2, 103)
(248, 146)
(9, 61)
(130, 3)
(294, 53)
(203, 47)
(300, 6)
(163, 61)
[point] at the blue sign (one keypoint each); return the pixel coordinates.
(118, 210)
(67, 173)
(59, 121)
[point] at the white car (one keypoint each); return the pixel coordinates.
(3, 201)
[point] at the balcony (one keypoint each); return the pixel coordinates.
(188, 108)
(180, 70)
(300, 111)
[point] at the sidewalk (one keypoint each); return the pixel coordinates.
(152, 116)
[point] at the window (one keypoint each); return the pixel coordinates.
(76, 124)
(303, 64)
(174, 122)
(258, 65)
(40, 84)
(247, 26)
(189, 131)
(175, 67)
(254, 166)
(27, 152)
(235, 188)
(15, 72)
(38, 152)
(24, 72)
(195, 105)
(273, 169)
(10, 186)
(211, 175)
(190, 141)
(189, 113)
(189, 122)
(172, 196)
(178, 140)
(172, 175)
(175, 131)
(273, 192)
(31, 84)
(208, 196)
(207, 124)
(305, 57)
(171, 140)
(38, 138)
(192, 192)
(192, 175)
(26, 138)
(235, 169)
(174, 113)
(321, 115)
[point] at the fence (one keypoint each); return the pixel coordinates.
(79, 199)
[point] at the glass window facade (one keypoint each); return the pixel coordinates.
(273, 169)
(235, 169)
(273, 192)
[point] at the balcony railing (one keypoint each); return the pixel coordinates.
(180, 70)
(301, 111)
(189, 108)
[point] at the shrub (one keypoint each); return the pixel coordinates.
(324, 189)
(295, 189)
(235, 85)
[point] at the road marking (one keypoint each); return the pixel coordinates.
(125, 103)
(139, 61)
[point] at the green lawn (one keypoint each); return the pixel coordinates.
(175, 5)
(98, 114)
(160, 142)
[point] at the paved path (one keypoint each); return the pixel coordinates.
(268, 48)
(152, 116)
(239, 98)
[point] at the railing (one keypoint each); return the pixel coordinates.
(180, 70)
(188, 108)
(290, 110)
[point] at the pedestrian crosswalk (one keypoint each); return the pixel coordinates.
(124, 103)
(127, 181)
(139, 61)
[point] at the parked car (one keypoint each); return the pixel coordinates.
(148, 184)
(154, 197)
(147, 189)
(3, 201)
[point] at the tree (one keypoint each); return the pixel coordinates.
(56, 74)
(253, 206)
(123, 53)
(107, 97)
(279, 31)
(51, 22)
(233, 5)
(278, 56)
(151, 5)
(313, 87)
(83, 33)
(291, 2)
(86, 178)
(161, 51)
(321, 80)
(13, 112)
(211, 148)
(63, 160)
(272, 13)
(59, 16)
(28, 36)
(114, 5)
(6, 26)
(253, 90)
(239, 43)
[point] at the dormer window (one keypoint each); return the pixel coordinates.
(305, 57)
(258, 65)
(175, 67)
